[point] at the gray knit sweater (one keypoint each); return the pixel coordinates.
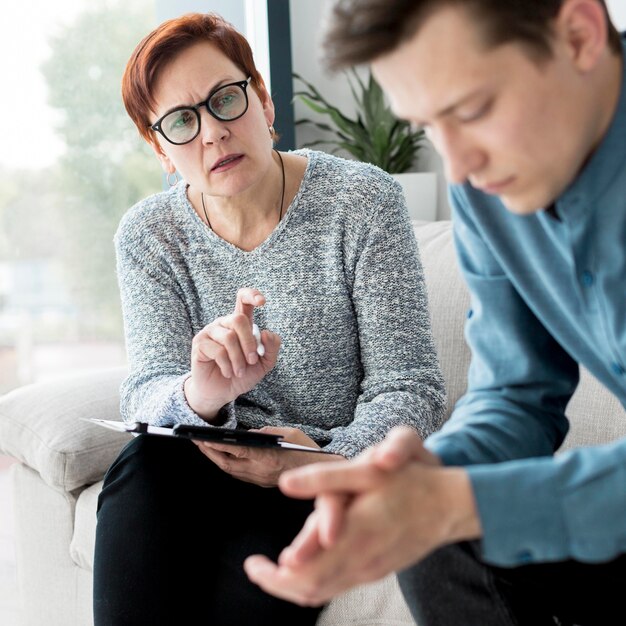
(345, 292)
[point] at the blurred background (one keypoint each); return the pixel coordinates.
(71, 164)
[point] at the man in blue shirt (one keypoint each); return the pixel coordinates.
(526, 103)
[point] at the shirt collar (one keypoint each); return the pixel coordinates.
(601, 169)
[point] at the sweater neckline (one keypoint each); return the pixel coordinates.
(273, 237)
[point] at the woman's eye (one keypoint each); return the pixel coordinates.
(224, 101)
(184, 119)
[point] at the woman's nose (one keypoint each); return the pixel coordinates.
(211, 129)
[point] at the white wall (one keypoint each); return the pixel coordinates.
(305, 51)
(305, 22)
(305, 25)
(617, 9)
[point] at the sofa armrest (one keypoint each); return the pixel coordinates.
(41, 426)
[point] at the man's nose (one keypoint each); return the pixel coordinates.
(461, 156)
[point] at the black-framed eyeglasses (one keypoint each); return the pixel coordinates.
(226, 103)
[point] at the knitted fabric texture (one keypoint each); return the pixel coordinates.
(345, 292)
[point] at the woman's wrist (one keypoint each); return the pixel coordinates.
(207, 410)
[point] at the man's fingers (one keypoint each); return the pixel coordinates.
(281, 581)
(401, 446)
(258, 567)
(304, 546)
(310, 480)
(331, 511)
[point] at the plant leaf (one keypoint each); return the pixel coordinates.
(375, 136)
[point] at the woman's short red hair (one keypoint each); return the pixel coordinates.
(163, 44)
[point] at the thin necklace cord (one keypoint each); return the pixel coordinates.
(282, 193)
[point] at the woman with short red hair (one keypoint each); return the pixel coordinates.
(317, 252)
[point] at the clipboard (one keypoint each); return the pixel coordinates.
(228, 436)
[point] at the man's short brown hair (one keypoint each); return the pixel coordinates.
(359, 31)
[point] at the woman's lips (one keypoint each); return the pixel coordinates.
(227, 162)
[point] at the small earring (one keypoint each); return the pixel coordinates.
(169, 182)
(272, 131)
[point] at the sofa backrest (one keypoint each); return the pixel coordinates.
(448, 300)
(595, 415)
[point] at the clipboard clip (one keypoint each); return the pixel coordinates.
(120, 427)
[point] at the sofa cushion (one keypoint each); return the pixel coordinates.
(380, 603)
(448, 300)
(41, 426)
(84, 537)
(595, 414)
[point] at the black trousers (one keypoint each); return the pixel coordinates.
(173, 531)
(453, 587)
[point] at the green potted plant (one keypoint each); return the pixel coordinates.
(375, 136)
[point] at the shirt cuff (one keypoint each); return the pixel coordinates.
(521, 512)
(447, 451)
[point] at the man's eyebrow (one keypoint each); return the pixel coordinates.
(447, 110)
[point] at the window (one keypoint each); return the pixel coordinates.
(72, 163)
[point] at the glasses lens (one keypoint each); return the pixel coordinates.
(180, 126)
(228, 103)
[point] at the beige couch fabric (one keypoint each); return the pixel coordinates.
(41, 426)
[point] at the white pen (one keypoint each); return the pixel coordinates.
(260, 348)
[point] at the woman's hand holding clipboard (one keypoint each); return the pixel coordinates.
(227, 436)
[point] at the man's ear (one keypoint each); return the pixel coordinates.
(164, 160)
(582, 26)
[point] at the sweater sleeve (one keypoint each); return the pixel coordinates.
(402, 383)
(158, 334)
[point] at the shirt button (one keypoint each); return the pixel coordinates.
(617, 369)
(525, 556)
(586, 278)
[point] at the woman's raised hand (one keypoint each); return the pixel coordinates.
(224, 358)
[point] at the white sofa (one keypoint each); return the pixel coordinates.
(63, 459)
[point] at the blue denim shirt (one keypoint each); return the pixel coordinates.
(548, 293)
